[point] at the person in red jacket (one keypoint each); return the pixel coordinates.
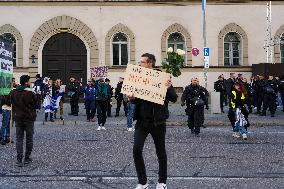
(24, 105)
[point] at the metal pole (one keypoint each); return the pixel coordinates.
(204, 39)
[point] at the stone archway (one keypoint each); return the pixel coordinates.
(180, 29)
(232, 27)
(277, 53)
(7, 28)
(58, 25)
(123, 29)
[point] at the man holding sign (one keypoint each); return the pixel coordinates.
(150, 114)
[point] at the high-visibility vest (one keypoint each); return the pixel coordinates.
(235, 96)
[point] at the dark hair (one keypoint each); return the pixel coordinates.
(151, 58)
(242, 88)
(24, 79)
(107, 80)
(37, 75)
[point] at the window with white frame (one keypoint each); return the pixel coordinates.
(120, 52)
(176, 41)
(282, 48)
(11, 38)
(232, 49)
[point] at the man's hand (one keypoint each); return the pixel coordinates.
(131, 97)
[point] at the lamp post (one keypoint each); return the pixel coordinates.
(204, 40)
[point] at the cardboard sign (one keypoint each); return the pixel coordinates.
(146, 84)
(99, 71)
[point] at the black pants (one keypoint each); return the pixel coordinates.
(282, 99)
(195, 118)
(222, 100)
(21, 128)
(74, 103)
(259, 102)
(119, 102)
(39, 100)
(109, 107)
(101, 110)
(269, 102)
(90, 108)
(232, 117)
(158, 134)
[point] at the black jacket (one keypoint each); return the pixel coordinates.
(118, 94)
(191, 92)
(151, 113)
(219, 86)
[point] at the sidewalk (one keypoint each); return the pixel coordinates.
(177, 118)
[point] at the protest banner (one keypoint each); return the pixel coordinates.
(6, 66)
(99, 71)
(146, 84)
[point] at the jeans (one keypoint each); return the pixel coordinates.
(130, 113)
(101, 110)
(90, 108)
(5, 129)
(158, 133)
(241, 129)
(21, 128)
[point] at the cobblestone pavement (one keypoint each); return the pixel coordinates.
(75, 155)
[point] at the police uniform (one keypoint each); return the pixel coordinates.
(195, 99)
(219, 86)
(270, 97)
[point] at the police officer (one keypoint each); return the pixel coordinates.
(281, 90)
(229, 85)
(119, 98)
(259, 89)
(219, 86)
(74, 93)
(270, 96)
(195, 99)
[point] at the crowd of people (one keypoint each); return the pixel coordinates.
(23, 103)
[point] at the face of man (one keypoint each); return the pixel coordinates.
(233, 76)
(270, 77)
(145, 63)
(89, 82)
(72, 79)
(237, 87)
(261, 77)
(194, 82)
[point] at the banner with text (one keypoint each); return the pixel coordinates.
(99, 71)
(6, 66)
(146, 84)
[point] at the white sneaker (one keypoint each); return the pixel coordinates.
(130, 129)
(103, 128)
(161, 186)
(245, 137)
(140, 186)
(236, 135)
(99, 128)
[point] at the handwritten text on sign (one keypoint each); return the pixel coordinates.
(146, 84)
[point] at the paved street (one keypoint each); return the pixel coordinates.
(75, 155)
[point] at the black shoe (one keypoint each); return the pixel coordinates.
(75, 114)
(19, 163)
(192, 132)
(197, 134)
(3, 142)
(51, 120)
(61, 118)
(8, 141)
(116, 115)
(263, 114)
(70, 114)
(28, 160)
(272, 115)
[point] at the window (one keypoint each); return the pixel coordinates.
(11, 38)
(120, 49)
(232, 49)
(176, 41)
(282, 48)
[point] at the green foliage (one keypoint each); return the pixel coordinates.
(173, 63)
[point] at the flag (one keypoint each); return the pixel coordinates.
(99, 71)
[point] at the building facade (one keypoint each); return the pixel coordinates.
(67, 38)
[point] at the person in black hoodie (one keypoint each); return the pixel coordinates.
(151, 119)
(270, 96)
(119, 98)
(219, 86)
(24, 105)
(74, 94)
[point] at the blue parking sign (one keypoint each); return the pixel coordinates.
(206, 51)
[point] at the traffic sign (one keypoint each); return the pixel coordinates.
(195, 51)
(206, 52)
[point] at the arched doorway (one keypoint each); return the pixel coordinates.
(64, 55)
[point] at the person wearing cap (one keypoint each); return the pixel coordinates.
(195, 99)
(24, 105)
(101, 103)
(89, 92)
(119, 98)
(110, 93)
